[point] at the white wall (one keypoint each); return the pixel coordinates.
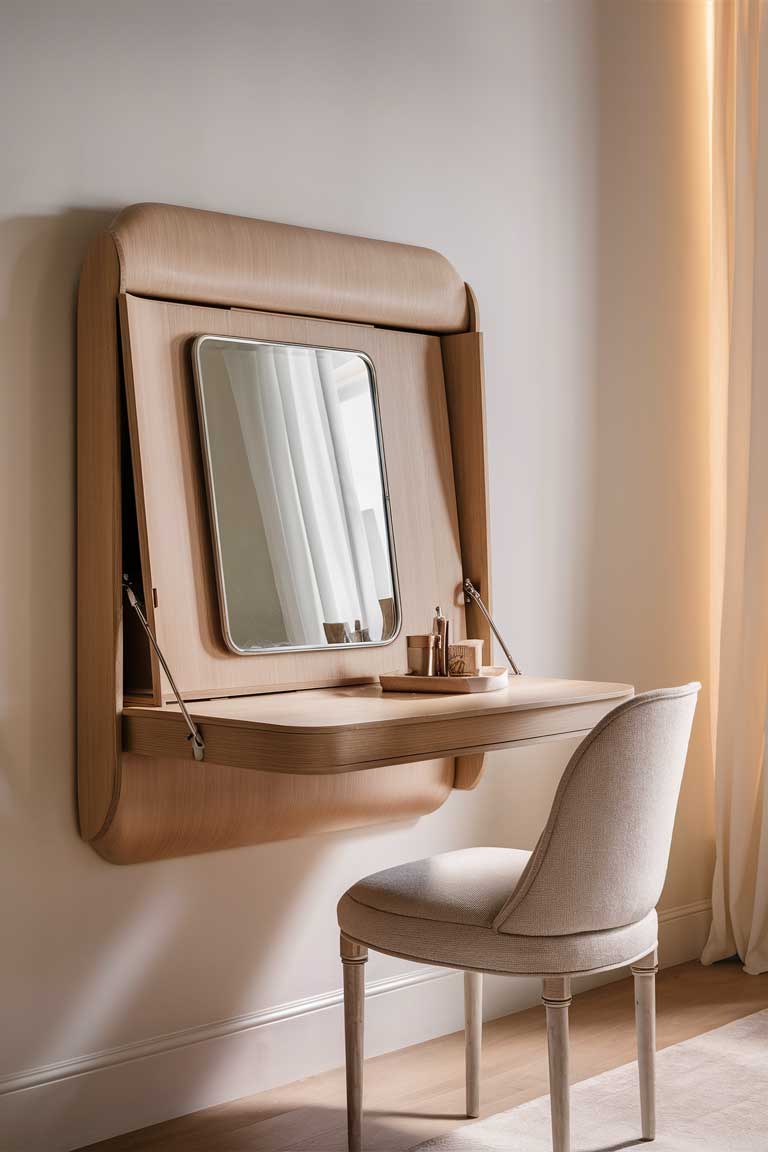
(497, 132)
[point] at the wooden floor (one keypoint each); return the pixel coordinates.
(418, 1092)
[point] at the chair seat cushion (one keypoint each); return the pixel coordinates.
(441, 911)
(465, 887)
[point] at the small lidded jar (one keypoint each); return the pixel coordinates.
(422, 655)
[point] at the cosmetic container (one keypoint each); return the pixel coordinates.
(422, 654)
(441, 629)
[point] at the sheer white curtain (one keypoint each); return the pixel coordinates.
(288, 406)
(739, 481)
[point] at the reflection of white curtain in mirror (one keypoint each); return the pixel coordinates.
(290, 413)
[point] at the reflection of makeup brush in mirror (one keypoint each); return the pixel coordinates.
(440, 628)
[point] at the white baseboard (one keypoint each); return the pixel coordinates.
(683, 932)
(63, 1106)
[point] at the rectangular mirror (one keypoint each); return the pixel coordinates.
(297, 494)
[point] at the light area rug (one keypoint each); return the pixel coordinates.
(711, 1096)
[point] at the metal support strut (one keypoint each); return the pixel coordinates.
(471, 593)
(198, 745)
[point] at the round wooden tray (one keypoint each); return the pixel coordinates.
(488, 680)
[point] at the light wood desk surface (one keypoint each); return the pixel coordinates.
(349, 728)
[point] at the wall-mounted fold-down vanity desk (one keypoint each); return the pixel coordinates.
(281, 451)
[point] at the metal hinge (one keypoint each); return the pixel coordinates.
(198, 745)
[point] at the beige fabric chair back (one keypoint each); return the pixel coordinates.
(601, 860)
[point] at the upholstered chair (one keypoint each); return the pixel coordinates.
(583, 901)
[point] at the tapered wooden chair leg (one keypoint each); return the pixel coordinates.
(645, 1023)
(473, 1035)
(353, 957)
(557, 1000)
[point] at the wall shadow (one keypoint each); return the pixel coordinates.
(115, 933)
(37, 349)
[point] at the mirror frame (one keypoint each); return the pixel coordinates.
(275, 650)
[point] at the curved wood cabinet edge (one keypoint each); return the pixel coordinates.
(171, 805)
(140, 795)
(334, 731)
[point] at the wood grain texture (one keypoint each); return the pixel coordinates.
(465, 397)
(134, 808)
(179, 807)
(349, 729)
(474, 310)
(484, 680)
(354, 958)
(99, 615)
(177, 558)
(418, 1093)
(469, 771)
(170, 805)
(473, 1038)
(187, 254)
(269, 775)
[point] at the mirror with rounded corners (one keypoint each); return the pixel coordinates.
(297, 494)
